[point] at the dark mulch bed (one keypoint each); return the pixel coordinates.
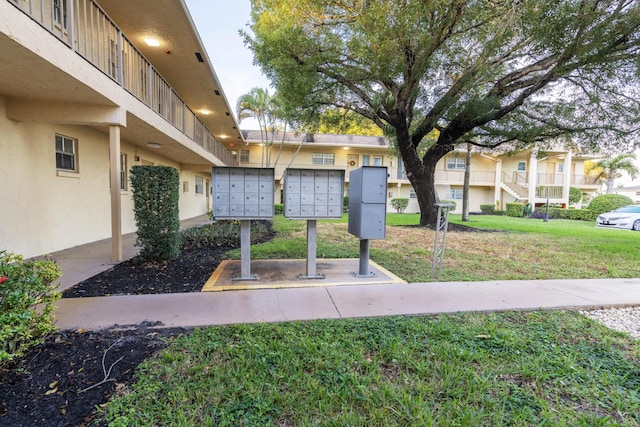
(44, 388)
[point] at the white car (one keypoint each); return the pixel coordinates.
(624, 217)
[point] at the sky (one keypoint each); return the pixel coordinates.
(218, 23)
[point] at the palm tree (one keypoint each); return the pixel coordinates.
(611, 169)
(256, 104)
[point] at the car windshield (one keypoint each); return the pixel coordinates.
(631, 209)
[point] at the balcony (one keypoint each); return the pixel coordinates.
(85, 28)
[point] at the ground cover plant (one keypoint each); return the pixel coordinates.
(505, 369)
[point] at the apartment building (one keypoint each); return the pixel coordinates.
(89, 88)
(496, 177)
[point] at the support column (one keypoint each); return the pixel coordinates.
(533, 176)
(498, 185)
(566, 179)
(116, 204)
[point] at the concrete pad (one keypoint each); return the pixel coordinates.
(194, 309)
(599, 292)
(278, 274)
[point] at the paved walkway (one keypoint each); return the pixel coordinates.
(326, 302)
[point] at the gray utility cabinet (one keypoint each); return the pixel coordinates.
(243, 193)
(368, 202)
(313, 194)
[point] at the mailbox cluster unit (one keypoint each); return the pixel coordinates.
(243, 193)
(368, 202)
(312, 194)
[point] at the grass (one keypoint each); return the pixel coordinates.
(481, 369)
(517, 248)
(500, 369)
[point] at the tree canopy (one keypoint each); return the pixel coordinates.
(486, 72)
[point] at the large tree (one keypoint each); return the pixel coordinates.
(488, 72)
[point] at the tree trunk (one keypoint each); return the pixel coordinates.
(465, 190)
(609, 185)
(423, 180)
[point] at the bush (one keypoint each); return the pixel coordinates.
(278, 209)
(221, 234)
(400, 204)
(156, 191)
(488, 209)
(515, 209)
(608, 202)
(575, 195)
(449, 202)
(560, 213)
(23, 286)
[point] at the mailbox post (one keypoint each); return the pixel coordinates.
(312, 194)
(367, 210)
(243, 194)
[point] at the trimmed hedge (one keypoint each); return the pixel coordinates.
(560, 213)
(515, 209)
(156, 192)
(488, 209)
(608, 202)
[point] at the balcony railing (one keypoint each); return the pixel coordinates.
(85, 27)
(457, 176)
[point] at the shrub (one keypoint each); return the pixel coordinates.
(221, 234)
(156, 191)
(575, 195)
(515, 209)
(560, 213)
(23, 286)
(449, 202)
(278, 209)
(608, 202)
(400, 204)
(488, 209)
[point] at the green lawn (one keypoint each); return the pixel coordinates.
(474, 369)
(513, 248)
(505, 369)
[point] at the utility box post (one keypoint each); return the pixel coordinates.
(367, 209)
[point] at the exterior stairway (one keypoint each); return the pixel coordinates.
(516, 190)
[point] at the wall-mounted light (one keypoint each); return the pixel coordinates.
(154, 145)
(152, 42)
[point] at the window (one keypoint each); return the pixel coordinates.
(60, 12)
(456, 193)
(455, 163)
(560, 167)
(412, 194)
(366, 161)
(66, 153)
(244, 156)
(199, 189)
(113, 60)
(522, 166)
(323, 158)
(377, 161)
(123, 171)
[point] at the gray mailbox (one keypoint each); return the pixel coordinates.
(368, 202)
(243, 193)
(313, 194)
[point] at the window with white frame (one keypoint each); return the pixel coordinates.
(560, 167)
(199, 186)
(456, 163)
(66, 153)
(377, 161)
(412, 194)
(244, 156)
(366, 160)
(60, 12)
(323, 158)
(123, 171)
(522, 166)
(456, 193)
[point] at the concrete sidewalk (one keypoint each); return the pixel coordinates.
(276, 305)
(339, 298)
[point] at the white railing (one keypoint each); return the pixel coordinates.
(85, 27)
